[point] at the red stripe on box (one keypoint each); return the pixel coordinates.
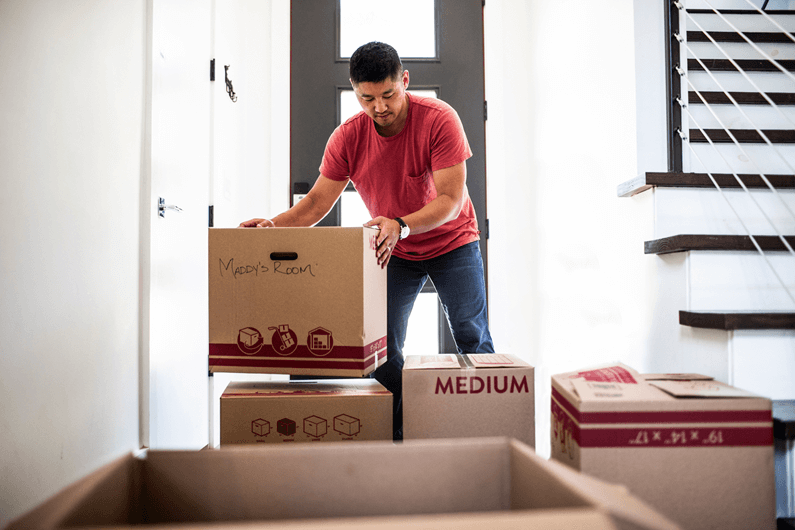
(563, 426)
(301, 351)
(682, 437)
(679, 416)
(294, 363)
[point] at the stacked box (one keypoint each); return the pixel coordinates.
(464, 396)
(698, 450)
(305, 411)
(302, 301)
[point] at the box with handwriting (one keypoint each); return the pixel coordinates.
(301, 301)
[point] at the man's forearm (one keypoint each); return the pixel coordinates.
(303, 213)
(439, 211)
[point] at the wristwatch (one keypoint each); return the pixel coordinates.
(404, 228)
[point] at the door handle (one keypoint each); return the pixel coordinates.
(162, 207)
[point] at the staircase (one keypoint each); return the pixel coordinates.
(724, 211)
(724, 223)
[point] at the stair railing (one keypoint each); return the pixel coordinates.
(681, 108)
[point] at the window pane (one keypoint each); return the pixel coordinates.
(422, 335)
(409, 26)
(352, 210)
(349, 106)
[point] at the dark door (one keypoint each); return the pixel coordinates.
(318, 73)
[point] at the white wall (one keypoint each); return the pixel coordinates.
(72, 107)
(569, 283)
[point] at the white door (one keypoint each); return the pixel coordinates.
(174, 404)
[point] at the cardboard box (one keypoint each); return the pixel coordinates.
(303, 301)
(696, 449)
(465, 396)
(451, 484)
(305, 411)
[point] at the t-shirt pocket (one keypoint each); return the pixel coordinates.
(419, 190)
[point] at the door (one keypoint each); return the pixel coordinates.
(174, 277)
(319, 74)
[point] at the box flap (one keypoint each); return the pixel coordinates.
(432, 362)
(494, 360)
(616, 373)
(600, 391)
(701, 389)
(677, 377)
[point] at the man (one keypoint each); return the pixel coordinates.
(406, 156)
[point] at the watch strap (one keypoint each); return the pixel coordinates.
(403, 226)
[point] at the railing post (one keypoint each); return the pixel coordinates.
(674, 86)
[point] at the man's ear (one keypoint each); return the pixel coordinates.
(405, 79)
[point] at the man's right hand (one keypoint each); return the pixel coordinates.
(257, 223)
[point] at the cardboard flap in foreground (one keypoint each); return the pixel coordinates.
(628, 511)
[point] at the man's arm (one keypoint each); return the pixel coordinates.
(308, 211)
(451, 192)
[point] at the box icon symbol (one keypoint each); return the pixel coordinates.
(347, 425)
(319, 341)
(315, 426)
(285, 426)
(261, 427)
(249, 340)
(284, 341)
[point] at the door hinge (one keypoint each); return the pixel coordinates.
(211, 217)
(487, 228)
(212, 69)
(485, 110)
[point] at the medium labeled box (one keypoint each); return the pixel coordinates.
(698, 450)
(285, 426)
(303, 301)
(464, 396)
(497, 484)
(306, 411)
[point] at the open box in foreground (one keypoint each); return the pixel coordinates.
(442, 484)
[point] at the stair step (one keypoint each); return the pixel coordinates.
(646, 181)
(741, 12)
(748, 65)
(738, 319)
(743, 98)
(743, 136)
(688, 242)
(732, 36)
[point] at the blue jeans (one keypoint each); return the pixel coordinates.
(460, 284)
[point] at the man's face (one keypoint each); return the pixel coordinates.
(385, 102)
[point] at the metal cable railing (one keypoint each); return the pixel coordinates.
(734, 139)
(772, 147)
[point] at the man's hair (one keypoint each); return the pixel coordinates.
(375, 62)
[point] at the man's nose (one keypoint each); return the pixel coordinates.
(380, 105)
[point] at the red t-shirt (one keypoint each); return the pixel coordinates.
(394, 175)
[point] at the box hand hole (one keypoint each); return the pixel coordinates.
(284, 256)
